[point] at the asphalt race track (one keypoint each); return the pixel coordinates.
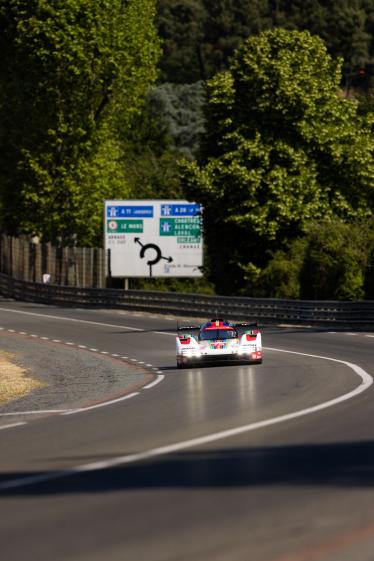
(215, 463)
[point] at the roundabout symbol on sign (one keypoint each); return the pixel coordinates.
(157, 251)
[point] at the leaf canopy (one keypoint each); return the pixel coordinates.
(71, 71)
(282, 148)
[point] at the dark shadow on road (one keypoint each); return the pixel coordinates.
(335, 465)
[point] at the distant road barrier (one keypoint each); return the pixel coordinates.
(263, 310)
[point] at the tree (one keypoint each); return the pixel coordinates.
(344, 27)
(180, 106)
(73, 74)
(281, 148)
(150, 157)
(329, 262)
(181, 25)
(336, 261)
(199, 36)
(230, 22)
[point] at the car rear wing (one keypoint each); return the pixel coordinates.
(188, 329)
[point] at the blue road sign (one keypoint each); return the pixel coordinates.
(180, 210)
(130, 211)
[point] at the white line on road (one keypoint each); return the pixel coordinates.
(48, 316)
(366, 382)
(12, 425)
(41, 411)
(159, 379)
(103, 404)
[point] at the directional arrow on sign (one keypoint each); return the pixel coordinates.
(156, 259)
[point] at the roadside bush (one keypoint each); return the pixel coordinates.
(333, 261)
(336, 261)
(281, 277)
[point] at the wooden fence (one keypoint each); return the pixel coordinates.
(23, 259)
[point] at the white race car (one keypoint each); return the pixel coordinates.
(219, 340)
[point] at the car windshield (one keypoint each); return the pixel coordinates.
(209, 334)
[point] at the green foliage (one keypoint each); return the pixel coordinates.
(200, 36)
(150, 160)
(73, 75)
(366, 103)
(333, 261)
(344, 26)
(181, 25)
(281, 276)
(180, 107)
(336, 261)
(281, 149)
(168, 128)
(230, 22)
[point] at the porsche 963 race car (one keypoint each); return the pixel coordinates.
(219, 340)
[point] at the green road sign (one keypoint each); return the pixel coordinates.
(124, 226)
(182, 228)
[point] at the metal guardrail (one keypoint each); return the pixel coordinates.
(263, 310)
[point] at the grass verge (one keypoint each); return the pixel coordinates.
(14, 382)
